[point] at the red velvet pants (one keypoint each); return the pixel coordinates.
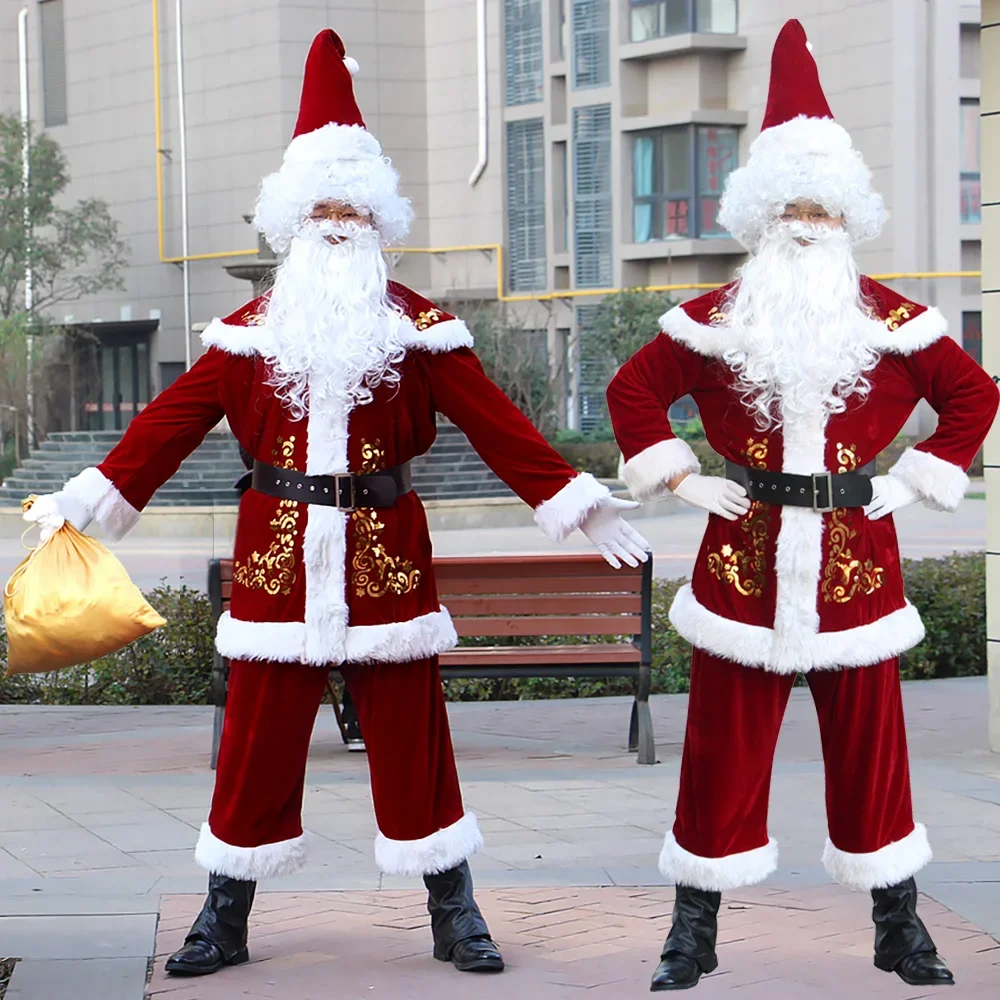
(255, 826)
(720, 837)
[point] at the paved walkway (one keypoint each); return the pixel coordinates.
(99, 811)
(675, 539)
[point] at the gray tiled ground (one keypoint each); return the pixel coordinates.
(102, 807)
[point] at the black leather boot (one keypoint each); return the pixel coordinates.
(690, 946)
(460, 932)
(219, 936)
(902, 944)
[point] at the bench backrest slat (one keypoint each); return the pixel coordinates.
(477, 605)
(534, 625)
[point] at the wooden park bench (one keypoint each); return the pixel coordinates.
(503, 597)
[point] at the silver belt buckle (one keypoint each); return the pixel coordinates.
(350, 492)
(817, 479)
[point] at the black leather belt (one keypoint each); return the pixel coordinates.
(345, 492)
(822, 491)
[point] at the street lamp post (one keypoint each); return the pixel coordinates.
(29, 295)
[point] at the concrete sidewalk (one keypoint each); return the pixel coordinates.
(100, 808)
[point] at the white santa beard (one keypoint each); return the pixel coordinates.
(798, 327)
(335, 330)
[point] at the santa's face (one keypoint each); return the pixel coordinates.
(340, 212)
(812, 214)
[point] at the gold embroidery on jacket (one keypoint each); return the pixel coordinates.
(274, 570)
(844, 575)
(746, 569)
(428, 318)
(897, 315)
(716, 316)
(375, 573)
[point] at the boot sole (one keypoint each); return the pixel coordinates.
(910, 981)
(485, 965)
(190, 972)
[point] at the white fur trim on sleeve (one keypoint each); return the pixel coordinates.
(941, 484)
(562, 514)
(250, 864)
(879, 869)
(716, 874)
(647, 474)
(440, 338)
(106, 505)
(430, 855)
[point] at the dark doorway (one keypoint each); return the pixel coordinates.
(111, 372)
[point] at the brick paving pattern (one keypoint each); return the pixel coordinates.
(565, 943)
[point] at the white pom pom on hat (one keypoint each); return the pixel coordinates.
(352, 65)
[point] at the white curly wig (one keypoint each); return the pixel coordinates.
(335, 163)
(811, 159)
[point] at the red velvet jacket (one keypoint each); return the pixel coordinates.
(313, 584)
(788, 588)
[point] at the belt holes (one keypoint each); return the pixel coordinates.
(298, 486)
(802, 489)
(312, 489)
(326, 489)
(774, 486)
(788, 489)
(287, 483)
(842, 492)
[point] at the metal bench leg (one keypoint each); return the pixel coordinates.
(220, 685)
(335, 701)
(642, 716)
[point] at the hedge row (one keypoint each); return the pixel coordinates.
(173, 666)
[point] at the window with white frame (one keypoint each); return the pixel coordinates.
(523, 47)
(526, 204)
(678, 175)
(658, 18)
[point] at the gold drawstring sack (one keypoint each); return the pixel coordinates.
(69, 602)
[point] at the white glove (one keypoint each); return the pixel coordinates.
(889, 493)
(53, 510)
(614, 537)
(714, 494)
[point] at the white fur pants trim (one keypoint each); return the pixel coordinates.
(251, 864)
(430, 855)
(879, 869)
(716, 874)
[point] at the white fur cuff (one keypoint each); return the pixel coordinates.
(251, 864)
(562, 514)
(941, 484)
(716, 874)
(648, 473)
(430, 855)
(91, 488)
(402, 642)
(879, 869)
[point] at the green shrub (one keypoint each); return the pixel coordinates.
(950, 594)
(171, 666)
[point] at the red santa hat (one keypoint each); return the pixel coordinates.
(332, 155)
(800, 154)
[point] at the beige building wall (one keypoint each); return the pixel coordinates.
(990, 107)
(894, 70)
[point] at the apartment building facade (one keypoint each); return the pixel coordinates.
(552, 149)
